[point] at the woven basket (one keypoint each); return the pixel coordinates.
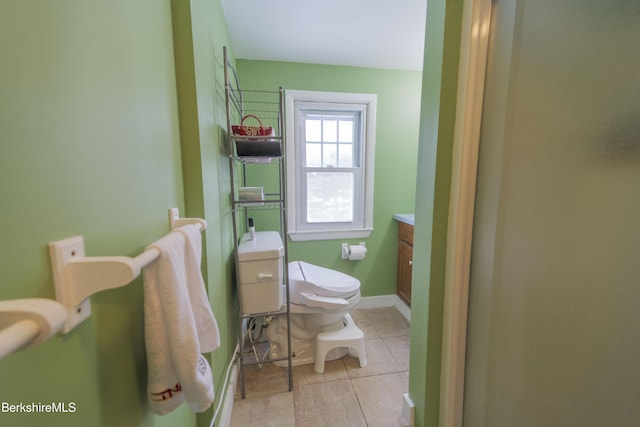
(252, 130)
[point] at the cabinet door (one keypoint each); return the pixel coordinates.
(405, 261)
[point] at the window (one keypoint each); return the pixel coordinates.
(330, 152)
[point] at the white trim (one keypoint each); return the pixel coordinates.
(408, 409)
(381, 301)
(230, 392)
(473, 60)
(300, 236)
(370, 100)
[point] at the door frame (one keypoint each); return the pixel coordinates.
(474, 45)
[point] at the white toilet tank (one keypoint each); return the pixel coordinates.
(260, 272)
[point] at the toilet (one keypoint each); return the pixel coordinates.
(321, 327)
(320, 301)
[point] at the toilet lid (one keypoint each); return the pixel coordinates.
(305, 277)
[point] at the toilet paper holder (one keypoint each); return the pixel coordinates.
(346, 252)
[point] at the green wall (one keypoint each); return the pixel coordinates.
(200, 33)
(110, 113)
(395, 166)
(437, 121)
(91, 125)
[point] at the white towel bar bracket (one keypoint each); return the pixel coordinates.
(63, 253)
(175, 221)
(76, 277)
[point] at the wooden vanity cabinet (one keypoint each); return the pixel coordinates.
(405, 261)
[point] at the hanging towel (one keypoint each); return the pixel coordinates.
(176, 369)
(208, 333)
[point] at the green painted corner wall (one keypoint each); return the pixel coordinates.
(437, 122)
(109, 116)
(200, 33)
(398, 94)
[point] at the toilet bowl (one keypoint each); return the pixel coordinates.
(320, 302)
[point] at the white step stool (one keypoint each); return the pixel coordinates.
(350, 336)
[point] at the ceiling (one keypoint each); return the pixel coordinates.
(362, 33)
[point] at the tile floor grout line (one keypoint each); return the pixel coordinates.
(340, 372)
(364, 416)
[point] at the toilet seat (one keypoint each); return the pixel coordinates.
(318, 327)
(317, 286)
(313, 300)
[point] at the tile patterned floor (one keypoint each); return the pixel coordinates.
(345, 394)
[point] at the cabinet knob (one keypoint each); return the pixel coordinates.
(410, 262)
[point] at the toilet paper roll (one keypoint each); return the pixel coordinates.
(357, 252)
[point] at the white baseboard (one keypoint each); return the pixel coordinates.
(386, 301)
(408, 409)
(230, 392)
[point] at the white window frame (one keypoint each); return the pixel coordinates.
(363, 226)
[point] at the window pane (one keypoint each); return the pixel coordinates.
(330, 156)
(345, 131)
(313, 130)
(330, 130)
(329, 197)
(345, 155)
(313, 155)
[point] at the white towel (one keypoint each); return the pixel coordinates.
(206, 324)
(176, 369)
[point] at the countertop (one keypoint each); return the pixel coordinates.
(406, 218)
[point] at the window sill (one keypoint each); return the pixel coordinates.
(301, 236)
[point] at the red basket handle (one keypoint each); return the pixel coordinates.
(250, 115)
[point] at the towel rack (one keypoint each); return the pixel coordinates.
(76, 277)
(26, 323)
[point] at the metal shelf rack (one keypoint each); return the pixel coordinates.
(269, 107)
